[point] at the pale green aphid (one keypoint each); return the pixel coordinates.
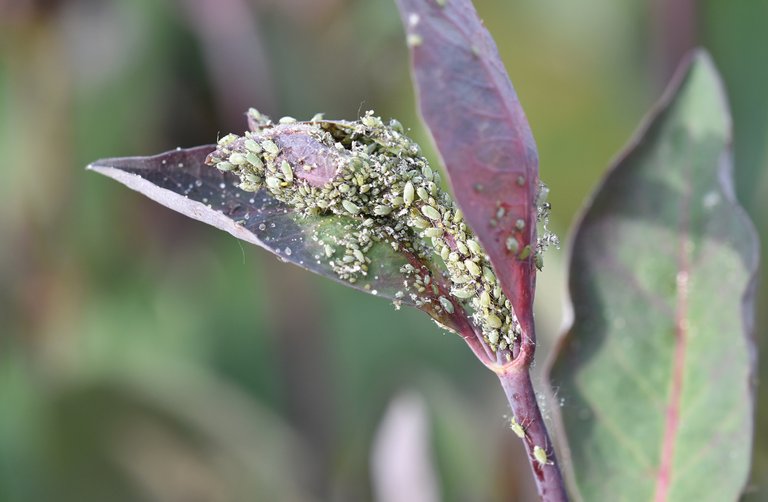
(541, 456)
(381, 173)
(519, 431)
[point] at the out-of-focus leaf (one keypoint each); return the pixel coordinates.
(656, 371)
(481, 132)
(181, 180)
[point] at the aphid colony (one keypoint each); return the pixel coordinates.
(374, 173)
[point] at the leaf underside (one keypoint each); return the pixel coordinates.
(482, 135)
(180, 180)
(656, 371)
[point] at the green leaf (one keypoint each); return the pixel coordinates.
(656, 371)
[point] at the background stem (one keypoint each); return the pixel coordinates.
(516, 382)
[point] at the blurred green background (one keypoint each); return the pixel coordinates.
(147, 357)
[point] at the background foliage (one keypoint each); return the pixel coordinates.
(144, 356)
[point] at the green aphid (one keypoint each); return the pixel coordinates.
(253, 178)
(237, 158)
(525, 253)
(252, 146)
(474, 247)
(431, 213)
(493, 321)
(512, 245)
(540, 455)
(520, 224)
(270, 147)
(414, 40)
(463, 293)
(225, 166)
(433, 232)
(273, 182)
(408, 193)
(419, 223)
(472, 268)
(422, 193)
(519, 430)
(287, 171)
(446, 304)
(350, 207)
(382, 210)
(485, 299)
(254, 160)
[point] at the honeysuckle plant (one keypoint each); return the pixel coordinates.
(357, 202)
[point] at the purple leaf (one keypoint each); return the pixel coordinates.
(182, 181)
(481, 132)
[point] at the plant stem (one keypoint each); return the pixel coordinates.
(516, 381)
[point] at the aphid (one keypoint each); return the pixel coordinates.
(254, 160)
(422, 193)
(474, 246)
(408, 193)
(519, 430)
(382, 210)
(446, 304)
(521, 180)
(287, 120)
(225, 166)
(493, 321)
(270, 147)
(512, 245)
(525, 253)
(541, 456)
(472, 268)
(237, 158)
(285, 167)
(252, 146)
(430, 212)
(433, 232)
(463, 293)
(351, 207)
(414, 40)
(273, 182)
(520, 224)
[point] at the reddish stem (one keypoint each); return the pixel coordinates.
(516, 382)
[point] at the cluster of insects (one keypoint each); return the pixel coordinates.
(372, 172)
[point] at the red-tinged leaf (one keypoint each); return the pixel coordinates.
(482, 135)
(657, 370)
(181, 180)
